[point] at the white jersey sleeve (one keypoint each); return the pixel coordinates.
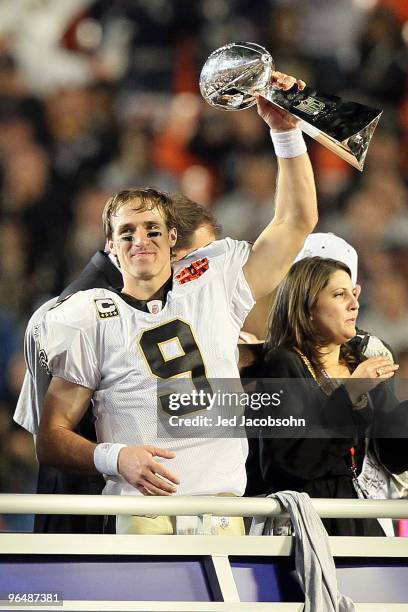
(36, 379)
(223, 262)
(67, 341)
(239, 293)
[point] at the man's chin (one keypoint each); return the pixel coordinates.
(141, 272)
(144, 271)
(144, 275)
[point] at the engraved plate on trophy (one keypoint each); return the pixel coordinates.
(233, 74)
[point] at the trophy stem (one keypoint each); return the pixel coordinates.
(345, 128)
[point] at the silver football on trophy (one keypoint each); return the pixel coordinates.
(234, 68)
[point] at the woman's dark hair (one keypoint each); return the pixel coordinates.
(290, 324)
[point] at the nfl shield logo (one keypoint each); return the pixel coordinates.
(154, 306)
(310, 106)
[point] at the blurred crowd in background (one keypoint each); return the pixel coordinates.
(100, 95)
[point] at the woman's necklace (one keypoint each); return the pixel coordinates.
(329, 384)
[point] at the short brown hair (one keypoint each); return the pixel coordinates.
(190, 217)
(147, 198)
(290, 323)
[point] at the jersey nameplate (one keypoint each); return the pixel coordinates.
(106, 308)
(193, 271)
(43, 359)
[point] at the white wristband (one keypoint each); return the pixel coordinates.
(288, 144)
(106, 458)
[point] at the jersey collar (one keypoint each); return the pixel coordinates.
(161, 294)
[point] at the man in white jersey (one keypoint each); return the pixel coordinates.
(112, 347)
(197, 227)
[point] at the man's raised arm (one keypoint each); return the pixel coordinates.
(295, 202)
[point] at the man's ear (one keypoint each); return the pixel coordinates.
(172, 236)
(111, 246)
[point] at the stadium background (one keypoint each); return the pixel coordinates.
(95, 96)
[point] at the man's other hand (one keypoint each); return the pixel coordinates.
(137, 465)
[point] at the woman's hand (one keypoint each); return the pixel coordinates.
(368, 375)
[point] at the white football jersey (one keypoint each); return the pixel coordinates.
(98, 340)
(36, 379)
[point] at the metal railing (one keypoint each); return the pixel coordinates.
(192, 505)
(216, 552)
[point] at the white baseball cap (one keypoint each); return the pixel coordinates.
(329, 245)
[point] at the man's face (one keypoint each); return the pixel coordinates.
(142, 242)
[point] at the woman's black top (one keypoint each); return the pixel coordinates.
(321, 466)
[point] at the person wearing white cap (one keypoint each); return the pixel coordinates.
(328, 245)
(317, 244)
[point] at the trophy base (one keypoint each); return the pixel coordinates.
(345, 128)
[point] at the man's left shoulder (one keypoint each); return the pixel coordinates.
(227, 245)
(211, 257)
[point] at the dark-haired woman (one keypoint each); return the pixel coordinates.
(313, 316)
